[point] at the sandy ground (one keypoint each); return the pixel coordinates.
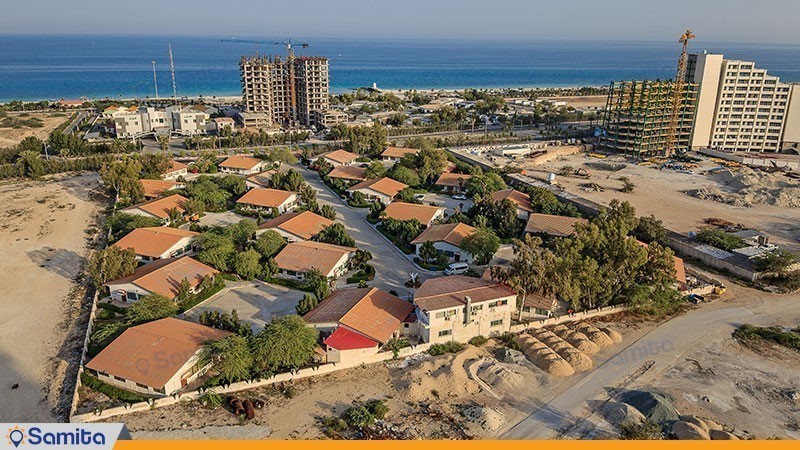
(662, 193)
(44, 242)
(584, 101)
(11, 136)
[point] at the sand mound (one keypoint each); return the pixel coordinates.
(594, 334)
(544, 357)
(499, 376)
(689, 431)
(578, 360)
(613, 334)
(748, 188)
(487, 418)
(577, 340)
(445, 374)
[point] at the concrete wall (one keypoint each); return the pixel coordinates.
(707, 73)
(480, 322)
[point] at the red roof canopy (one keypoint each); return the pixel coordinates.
(344, 339)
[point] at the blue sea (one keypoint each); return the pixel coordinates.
(71, 67)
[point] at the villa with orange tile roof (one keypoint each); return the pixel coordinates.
(446, 238)
(548, 224)
(295, 227)
(176, 169)
(520, 199)
(158, 208)
(356, 322)
(161, 277)
(336, 158)
(453, 182)
(157, 358)
(381, 189)
(394, 154)
(425, 214)
(151, 243)
(348, 174)
(154, 188)
(259, 199)
(242, 165)
(297, 258)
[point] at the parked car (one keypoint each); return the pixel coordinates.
(456, 268)
(419, 197)
(459, 197)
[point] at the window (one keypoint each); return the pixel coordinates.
(142, 386)
(445, 333)
(132, 296)
(496, 323)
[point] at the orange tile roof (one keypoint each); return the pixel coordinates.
(521, 199)
(175, 166)
(153, 241)
(451, 179)
(449, 292)
(304, 225)
(304, 255)
(340, 156)
(370, 311)
(552, 225)
(385, 186)
(163, 276)
(399, 152)
(152, 353)
(240, 162)
(452, 233)
(349, 173)
(154, 188)
(161, 207)
(267, 198)
(407, 211)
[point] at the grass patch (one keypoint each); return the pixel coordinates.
(752, 336)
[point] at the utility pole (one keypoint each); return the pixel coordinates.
(155, 79)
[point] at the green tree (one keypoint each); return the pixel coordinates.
(204, 190)
(230, 357)
(317, 283)
(404, 175)
(285, 343)
(530, 271)
(357, 198)
(233, 184)
(485, 184)
(649, 229)
(280, 155)
(154, 164)
(242, 232)
(306, 304)
(430, 163)
(122, 176)
(151, 307)
(184, 292)
(110, 263)
(360, 258)
(327, 212)
(269, 243)
(428, 252)
(481, 244)
(375, 170)
(216, 249)
(247, 264)
(335, 234)
(32, 164)
(777, 261)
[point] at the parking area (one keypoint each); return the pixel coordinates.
(255, 302)
(448, 202)
(221, 219)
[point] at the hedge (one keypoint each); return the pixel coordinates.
(113, 392)
(365, 274)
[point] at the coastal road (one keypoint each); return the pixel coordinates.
(392, 268)
(650, 354)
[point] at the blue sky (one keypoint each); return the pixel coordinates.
(772, 21)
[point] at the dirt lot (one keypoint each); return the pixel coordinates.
(44, 242)
(11, 136)
(662, 193)
(583, 101)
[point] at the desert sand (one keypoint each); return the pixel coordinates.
(11, 136)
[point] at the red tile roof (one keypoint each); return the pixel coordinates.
(303, 225)
(161, 207)
(165, 275)
(340, 156)
(153, 241)
(344, 339)
(240, 162)
(407, 211)
(154, 188)
(304, 255)
(385, 186)
(348, 173)
(552, 225)
(521, 199)
(266, 198)
(152, 353)
(399, 152)
(452, 179)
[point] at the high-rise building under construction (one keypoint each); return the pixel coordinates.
(284, 92)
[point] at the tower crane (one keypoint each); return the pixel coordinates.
(287, 43)
(677, 95)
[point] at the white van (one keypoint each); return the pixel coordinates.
(456, 268)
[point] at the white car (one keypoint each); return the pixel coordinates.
(459, 197)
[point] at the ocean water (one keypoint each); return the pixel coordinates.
(54, 67)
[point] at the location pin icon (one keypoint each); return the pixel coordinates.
(16, 437)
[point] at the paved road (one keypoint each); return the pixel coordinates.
(652, 353)
(391, 267)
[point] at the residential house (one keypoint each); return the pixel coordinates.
(176, 169)
(263, 179)
(520, 199)
(297, 258)
(151, 243)
(348, 174)
(535, 307)
(158, 358)
(220, 123)
(458, 308)
(394, 154)
(425, 214)
(161, 277)
(154, 188)
(336, 158)
(550, 225)
(446, 238)
(242, 165)
(354, 323)
(296, 226)
(259, 199)
(381, 189)
(329, 117)
(453, 182)
(159, 208)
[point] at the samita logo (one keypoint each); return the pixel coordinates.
(36, 436)
(16, 436)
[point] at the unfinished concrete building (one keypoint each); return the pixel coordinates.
(636, 120)
(285, 92)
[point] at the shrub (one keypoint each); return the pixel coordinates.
(358, 417)
(447, 347)
(478, 341)
(643, 431)
(749, 334)
(377, 408)
(720, 239)
(365, 274)
(334, 423)
(210, 399)
(510, 341)
(112, 392)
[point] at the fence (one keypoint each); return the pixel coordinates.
(312, 371)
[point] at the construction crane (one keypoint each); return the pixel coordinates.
(677, 96)
(291, 114)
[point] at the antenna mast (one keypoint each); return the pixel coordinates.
(155, 79)
(172, 69)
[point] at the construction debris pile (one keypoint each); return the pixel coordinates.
(747, 188)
